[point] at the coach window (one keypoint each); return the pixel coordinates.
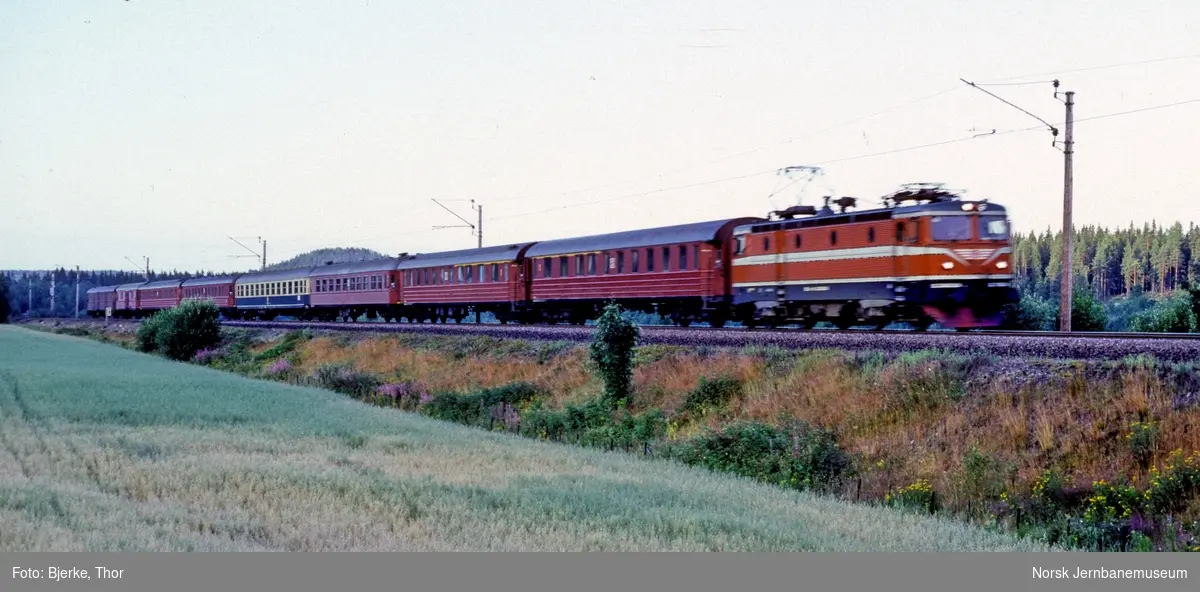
(634, 263)
(666, 261)
(649, 260)
(547, 267)
(562, 267)
(682, 257)
(833, 238)
(591, 264)
(620, 261)
(695, 256)
(870, 235)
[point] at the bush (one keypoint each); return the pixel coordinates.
(712, 394)
(346, 380)
(146, 338)
(184, 330)
(483, 408)
(178, 333)
(1087, 313)
(612, 351)
(1030, 314)
(803, 457)
(1173, 314)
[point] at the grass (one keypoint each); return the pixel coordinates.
(104, 449)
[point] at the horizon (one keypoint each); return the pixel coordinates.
(313, 128)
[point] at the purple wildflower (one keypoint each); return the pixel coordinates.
(280, 366)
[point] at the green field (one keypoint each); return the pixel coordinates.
(104, 449)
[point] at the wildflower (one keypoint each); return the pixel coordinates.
(280, 366)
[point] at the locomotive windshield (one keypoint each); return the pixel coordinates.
(951, 228)
(993, 228)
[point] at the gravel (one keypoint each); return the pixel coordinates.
(1108, 347)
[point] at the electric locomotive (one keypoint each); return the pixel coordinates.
(926, 256)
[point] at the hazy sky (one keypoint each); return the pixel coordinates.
(131, 128)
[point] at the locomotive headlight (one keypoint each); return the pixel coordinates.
(948, 265)
(968, 207)
(1002, 265)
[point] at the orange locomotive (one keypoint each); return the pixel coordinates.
(926, 256)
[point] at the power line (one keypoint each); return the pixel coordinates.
(1104, 67)
(992, 133)
(632, 195)
(743, 153)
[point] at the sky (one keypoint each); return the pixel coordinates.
(133, 129)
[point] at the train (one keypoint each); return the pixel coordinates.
(926, 256)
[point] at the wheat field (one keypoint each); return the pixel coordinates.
(105, 449)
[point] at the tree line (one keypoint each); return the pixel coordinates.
(1125, 279)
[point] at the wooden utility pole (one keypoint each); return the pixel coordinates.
(76, 291)
(1068, 275)
(480, 231)
(53, 274)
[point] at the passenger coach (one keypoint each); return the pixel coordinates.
(350, 290)
(453, 284)
(675, 271)
(266, 295)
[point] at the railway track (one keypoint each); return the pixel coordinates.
(1170, 347)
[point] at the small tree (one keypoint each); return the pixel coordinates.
(612, 352)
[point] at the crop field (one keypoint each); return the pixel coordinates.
(104, 449)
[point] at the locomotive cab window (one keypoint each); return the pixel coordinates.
(798, 240)
(951, 228)
(833, 238)
(993, 228)
(741, 245)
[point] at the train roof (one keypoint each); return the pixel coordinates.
(663, 235)
(212, 280)
(828, 217)
(161, 284)
(99, 289)
(385, 264)
(129, 286)
(297, 273)
(504, 253)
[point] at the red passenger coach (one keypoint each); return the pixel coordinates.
(453, 284)
(100, 299)
(127, 300)
(156, 296)
(676, 271)
(217, 290)
(349, 290)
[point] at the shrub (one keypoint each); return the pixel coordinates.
(1142, 438)
(803, 457)
(612, 352)
(712, 394)
(345, 379)
(146, 338)
(178, 333)
(1030, 314)
(1173, 314)
(1087, 313)
(477, 409)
